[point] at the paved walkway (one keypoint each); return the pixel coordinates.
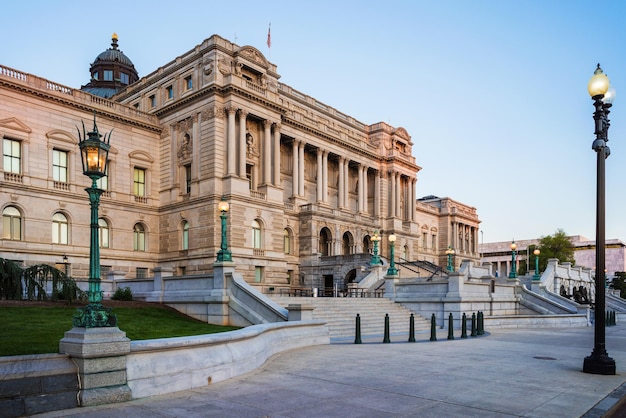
(508, 373)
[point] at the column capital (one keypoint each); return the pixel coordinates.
(243, 113)
(267, 123)
(231, 109)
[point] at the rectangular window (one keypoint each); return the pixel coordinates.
(103, 183)
(258, 274)
(139, 182)
(188, 83)
(108, 75)
(12, 154)
(124, 78)
(188, 178)
(170, 92)
(152, 100)
(96, 76)
(425, 240)
(141, 272)
(434, 241)
(59, 166)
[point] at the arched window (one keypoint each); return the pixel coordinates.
(185, 236)
(325, 242)
(139, 238)
(256, 234)
(60, 229)
(11, 223)
(287, 241)
(103, 233)
(367, 244)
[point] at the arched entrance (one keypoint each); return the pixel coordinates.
(348, 243)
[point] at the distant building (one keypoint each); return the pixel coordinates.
(305, 182)
(499, 254)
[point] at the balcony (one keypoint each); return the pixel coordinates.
(13, 177)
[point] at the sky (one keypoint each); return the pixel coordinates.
(493, 93)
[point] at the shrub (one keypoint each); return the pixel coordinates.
(123, 293)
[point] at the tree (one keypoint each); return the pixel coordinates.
(619, 283)
(558, 246)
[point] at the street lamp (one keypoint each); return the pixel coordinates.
(450, 254)
(536, 252)
(513, 272)
(392, 271)
(602, 95)
(65, 263)
(94, 153)
(375, 258)
(224, 253)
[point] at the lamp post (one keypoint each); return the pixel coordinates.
(392, 271)
(602, 95)
(513, 272)
(65, 263)
(224, 253)
(450, 254)
(94, 152)
(375, 258)
(536, 276)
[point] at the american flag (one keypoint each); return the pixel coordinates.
(269, 36)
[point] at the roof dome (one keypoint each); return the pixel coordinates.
(111, 72)
(113, 54)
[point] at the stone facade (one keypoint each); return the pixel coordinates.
(304, 181)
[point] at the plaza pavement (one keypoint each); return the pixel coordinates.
(505, 373)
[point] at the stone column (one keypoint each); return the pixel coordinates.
(320, 175)
(359, 189)
(413, 198)
(391, 180)
(365, 187)
(325, 176)
(231, 151)
(277, 154)
(398, 195)
(243, 146)
(346, 187)
(341, 185)
(377, 181)
(301, 169)
(267, 152)
(295, 170)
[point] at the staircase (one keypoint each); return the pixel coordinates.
(340, 315)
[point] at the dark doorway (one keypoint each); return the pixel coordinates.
(328, 285)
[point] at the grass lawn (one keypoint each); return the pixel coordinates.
(38, 329)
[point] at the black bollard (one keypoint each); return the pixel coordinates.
(607, 318)
(613, 318)
(433, 328)
(411, 329)
(450, 327)
(464, 326)
(357, 338)
(479, 328)
(473, 334)
(386, 337)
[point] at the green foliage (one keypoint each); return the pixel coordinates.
(558, 246)
(123, 293)
(37, 329)
(619, 283)
(33, 281)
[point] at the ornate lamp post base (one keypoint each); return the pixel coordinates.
(94, 315)
(599, 364)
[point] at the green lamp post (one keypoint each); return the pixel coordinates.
(94, 153)
(392, 270)
(536, 276)
(224, 253)
(375, 257)
(602, 95)
(513, 272)
(450, 254)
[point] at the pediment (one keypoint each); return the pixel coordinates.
(15, 125)
(141, 156)
(63, 136)
(254, 55)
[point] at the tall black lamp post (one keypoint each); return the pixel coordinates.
(392, 270)
(602, 95)
(94, 153)
(224, 253)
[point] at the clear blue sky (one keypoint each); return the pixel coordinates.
(493, 93)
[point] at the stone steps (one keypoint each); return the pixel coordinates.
(340, 315)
